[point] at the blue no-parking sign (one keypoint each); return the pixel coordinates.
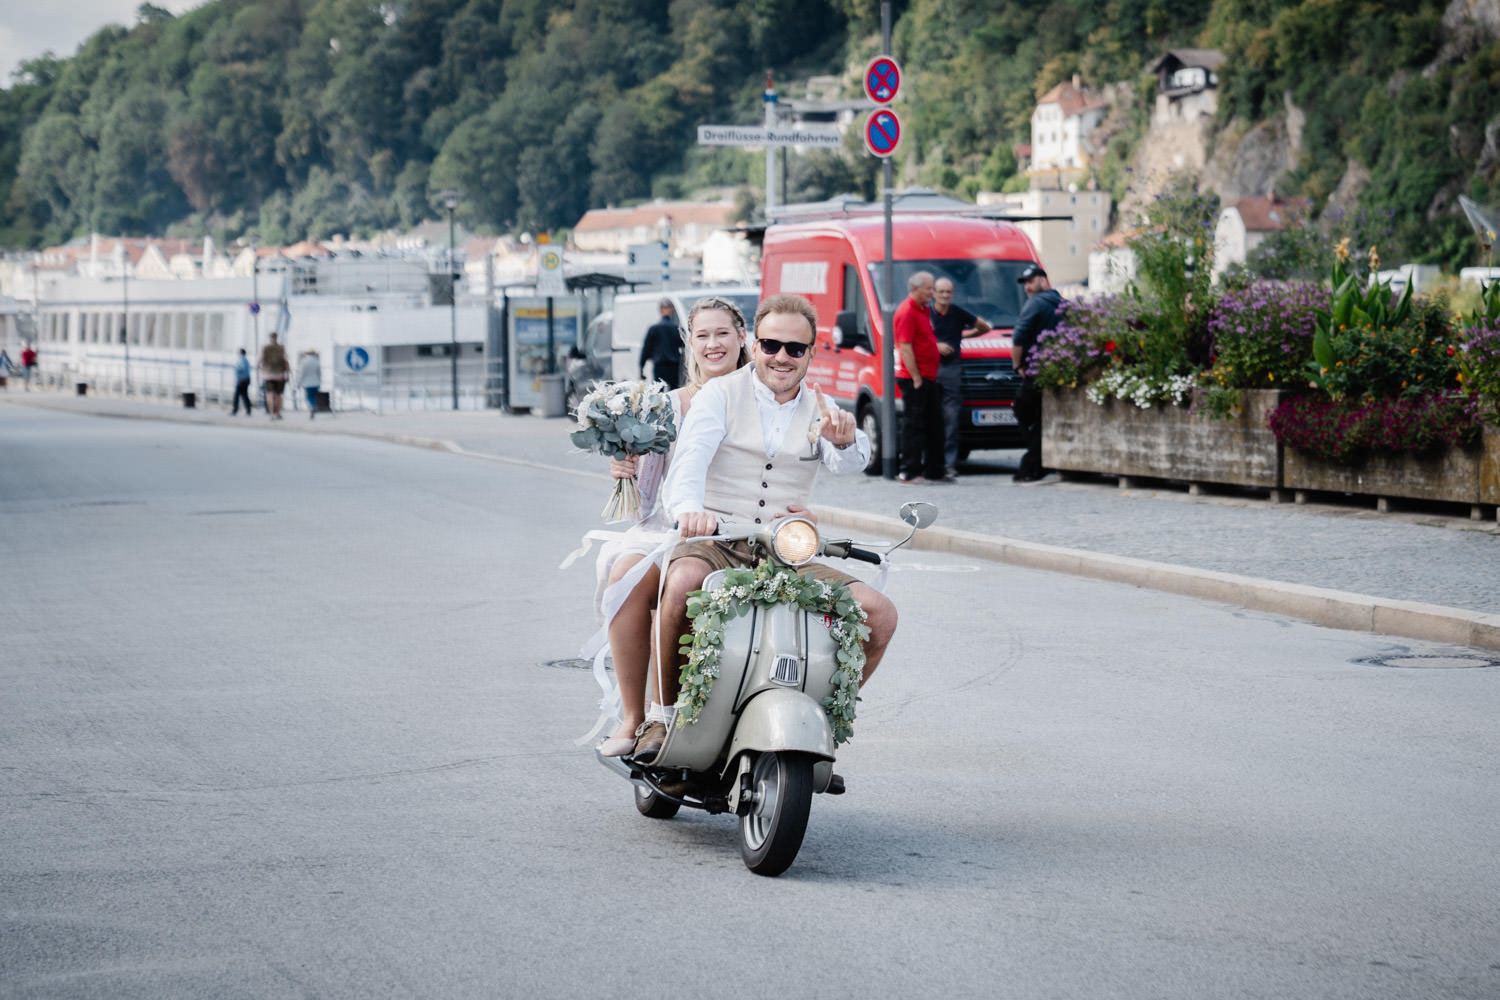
(883, 132)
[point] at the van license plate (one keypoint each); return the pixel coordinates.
(1002, 415)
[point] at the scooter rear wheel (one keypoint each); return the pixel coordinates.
(771, 830)
(654, 806)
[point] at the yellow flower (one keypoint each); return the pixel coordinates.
(1342, 250)
(1374, 259)
(1271, 376)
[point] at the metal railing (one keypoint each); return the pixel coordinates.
(148, 379)
(401, 387)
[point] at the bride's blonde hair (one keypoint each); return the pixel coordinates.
(695, 375)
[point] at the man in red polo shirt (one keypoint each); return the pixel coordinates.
(917, 361)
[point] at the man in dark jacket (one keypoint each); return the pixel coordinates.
(1037, 315)
(663, 347)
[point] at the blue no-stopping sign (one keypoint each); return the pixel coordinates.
(883, 132)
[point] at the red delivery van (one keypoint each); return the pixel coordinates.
(837, 263)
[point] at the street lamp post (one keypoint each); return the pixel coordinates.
(125, 313)
(255, 291)
(450, 199)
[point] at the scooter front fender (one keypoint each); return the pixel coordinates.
(782, 720)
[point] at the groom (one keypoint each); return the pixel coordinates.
(740, 457)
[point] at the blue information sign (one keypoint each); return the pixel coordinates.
(883, 132)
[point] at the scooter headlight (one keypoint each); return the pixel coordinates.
(794, 540)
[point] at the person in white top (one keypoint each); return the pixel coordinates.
(749, 452)
(716, 346)
(310, 377)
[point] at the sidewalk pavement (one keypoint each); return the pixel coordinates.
(1421, 573)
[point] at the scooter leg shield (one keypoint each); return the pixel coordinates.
(781, 720)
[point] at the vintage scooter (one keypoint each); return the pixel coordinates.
(762, 743)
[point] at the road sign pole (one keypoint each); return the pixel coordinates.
(770, 101)
(888, 347)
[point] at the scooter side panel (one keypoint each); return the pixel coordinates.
(782, 719)
(697, 747)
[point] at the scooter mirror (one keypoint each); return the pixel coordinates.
(919, 513)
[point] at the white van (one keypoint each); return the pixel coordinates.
(635, 312)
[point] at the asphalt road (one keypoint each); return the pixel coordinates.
(278, 723)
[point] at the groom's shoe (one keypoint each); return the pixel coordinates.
(649, 738)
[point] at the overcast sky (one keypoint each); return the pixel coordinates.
(30, 27)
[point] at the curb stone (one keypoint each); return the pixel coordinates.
(1330, 608)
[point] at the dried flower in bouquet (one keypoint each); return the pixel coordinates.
(621, 420)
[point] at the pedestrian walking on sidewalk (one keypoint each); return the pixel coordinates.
(952, 324)
(1037, 315)
(274, 370)
(28, 364)
(310, 377)
(242, 385)
(7, 367)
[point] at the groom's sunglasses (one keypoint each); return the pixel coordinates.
(794, 349)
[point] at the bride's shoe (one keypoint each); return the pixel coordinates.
(617, 746)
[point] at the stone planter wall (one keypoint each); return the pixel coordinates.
(1452, 475)
(1489, 468)
(1164, 442)
(1168, 442)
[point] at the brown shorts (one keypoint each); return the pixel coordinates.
(728, 555)
(275, 384)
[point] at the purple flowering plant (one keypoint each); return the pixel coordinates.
(1261, 339)
(1087, 339)
(1479, 354)
(1479, 366)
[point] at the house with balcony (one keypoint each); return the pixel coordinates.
(1187, 86)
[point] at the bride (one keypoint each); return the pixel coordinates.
(629, 565)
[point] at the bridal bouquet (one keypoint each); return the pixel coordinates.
(621, 419)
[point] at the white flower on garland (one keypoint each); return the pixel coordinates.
(768, 584)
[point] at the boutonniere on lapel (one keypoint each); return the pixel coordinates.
(814, 431)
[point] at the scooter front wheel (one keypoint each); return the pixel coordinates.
(654, 805)
(771, 828)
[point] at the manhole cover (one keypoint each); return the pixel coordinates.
(1430, 661)
(570, 664)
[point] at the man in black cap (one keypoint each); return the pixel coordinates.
(1038, 314)
(663, 347)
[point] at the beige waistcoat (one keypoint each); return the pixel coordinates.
(743, 484)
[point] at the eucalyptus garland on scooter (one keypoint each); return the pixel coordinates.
(767, 585)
